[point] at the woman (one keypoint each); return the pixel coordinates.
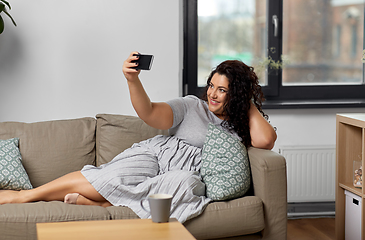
(233, 99)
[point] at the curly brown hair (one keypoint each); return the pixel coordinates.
(243, 88)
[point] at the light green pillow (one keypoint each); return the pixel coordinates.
(225, 166)
(12, 173)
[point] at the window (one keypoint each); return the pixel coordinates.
(354, 40)
(337, 41)
(307, 53)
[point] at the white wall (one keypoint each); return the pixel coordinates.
(306, 127)
(64, 60)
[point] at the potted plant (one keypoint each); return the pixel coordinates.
(3, 5)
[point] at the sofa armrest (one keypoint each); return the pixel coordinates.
(270, 184)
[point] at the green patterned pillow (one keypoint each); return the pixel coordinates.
(225, 166)
(12, 173)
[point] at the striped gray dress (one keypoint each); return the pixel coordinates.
(162, 164)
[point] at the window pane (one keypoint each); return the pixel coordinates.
(227, 29)
(323, 41)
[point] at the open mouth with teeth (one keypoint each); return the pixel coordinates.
(214, 102)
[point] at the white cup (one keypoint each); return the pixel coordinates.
(160, 205)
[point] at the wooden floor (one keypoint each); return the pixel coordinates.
(311, 229)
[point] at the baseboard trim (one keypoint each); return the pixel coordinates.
(311, 209)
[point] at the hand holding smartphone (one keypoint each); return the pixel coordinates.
(144, 61)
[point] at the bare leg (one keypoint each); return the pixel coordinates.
(55, 190)
(81, 200)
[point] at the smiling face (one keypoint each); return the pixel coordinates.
(217, 94)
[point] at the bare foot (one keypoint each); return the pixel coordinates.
(75, 198)
(71, 198)
(10, 196)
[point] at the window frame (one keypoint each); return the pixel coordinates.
(277, 95)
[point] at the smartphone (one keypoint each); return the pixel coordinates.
(144, 61)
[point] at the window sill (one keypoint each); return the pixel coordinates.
(298, 104)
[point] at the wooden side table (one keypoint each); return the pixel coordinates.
(113, 229)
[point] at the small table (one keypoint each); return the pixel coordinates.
(113, 229)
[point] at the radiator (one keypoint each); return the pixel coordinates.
(311, 173)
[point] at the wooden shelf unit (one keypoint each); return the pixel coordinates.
(350, 147)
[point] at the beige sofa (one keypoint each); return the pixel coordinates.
(54, 148)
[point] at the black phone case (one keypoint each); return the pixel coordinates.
(144, 62)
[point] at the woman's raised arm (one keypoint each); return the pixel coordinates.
(157, 115)
(262, 133)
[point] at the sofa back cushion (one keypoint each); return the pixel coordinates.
(54, 148)
(115, 133)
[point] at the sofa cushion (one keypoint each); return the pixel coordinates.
(121, 212)
(18, 221)
(225, 167)
(115, 133)
(236, 217)
(53, 148)
(12, 173)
